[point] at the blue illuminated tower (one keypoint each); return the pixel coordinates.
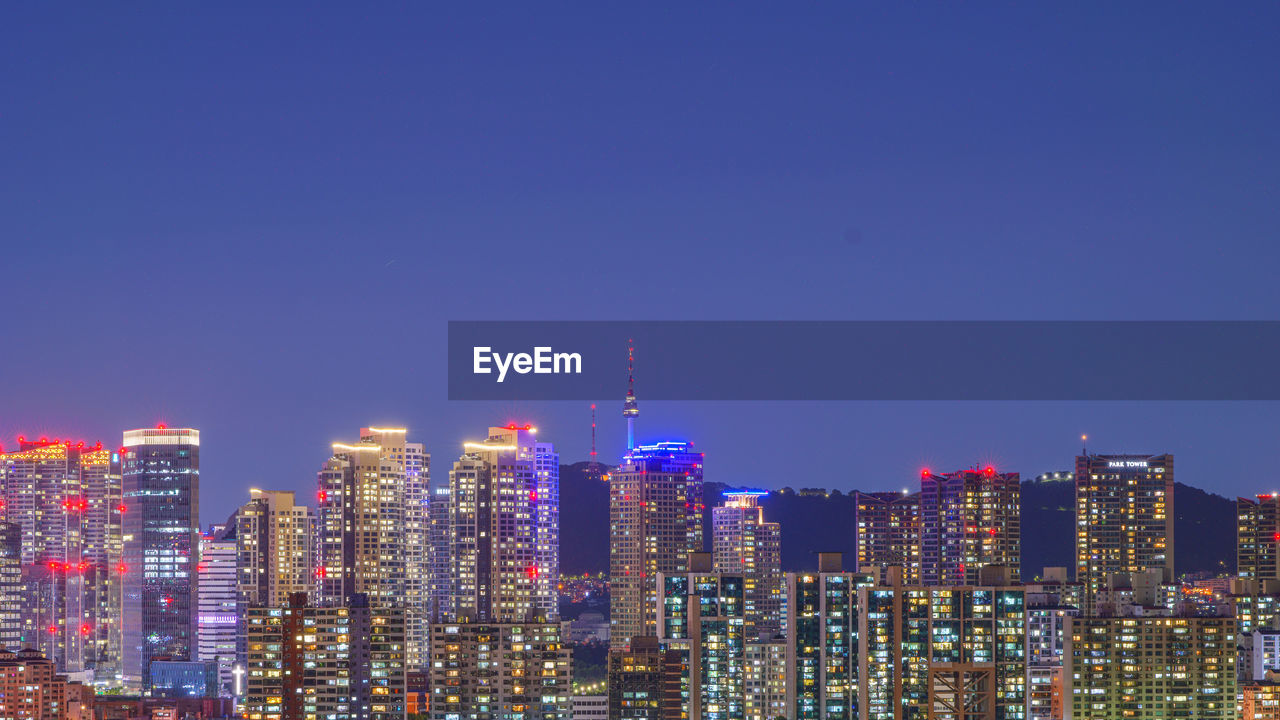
(631, 410)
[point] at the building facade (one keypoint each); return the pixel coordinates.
(655, 522)
(888, 533)
(515, 671)
(496, 529)
(1258, 537)
(744, 544)
(66, 500)
(968, 520)
(335, 662)
(1140, 666)
(161, 480)
(1124, 517)
(218, 609)
(943, 653)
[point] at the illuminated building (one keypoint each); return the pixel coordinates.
(66, 499)
(821, 662)
(1258, 537)
(1260, 701)
(161, 529)
(10, 585)
(1046, 641)
(954, 653)
(514, 671)
(371, 525)
(217, 609)
(496, 527)
(1124, 517)
(968, 520)
(744, 544)
(638, 680)
(1263, 655)
(765, 680)
(590, 707)
(702, 617)
(439, 562)
(1126, 666)
(275, 544)
(31, 689)
(889, 533)
(655, 522)
(335, 662)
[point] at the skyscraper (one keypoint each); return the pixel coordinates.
(655, 521)
(65, 498)
(822, 642)
(218, 610)
(1258, 536)
(1124, 517)
(161, 477)
(968, 520)
(889, 533)
(702, 617)
(10, 586)
(439, 560)
(744, 544)
(499, 529)
(371, 499)
(275, 545)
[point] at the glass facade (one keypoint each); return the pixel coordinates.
(161, 478)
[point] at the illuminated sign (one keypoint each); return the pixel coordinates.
(1126, 463)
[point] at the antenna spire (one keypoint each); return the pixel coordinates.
(595, 466)
(629, 408)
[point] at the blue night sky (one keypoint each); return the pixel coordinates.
(257, 221)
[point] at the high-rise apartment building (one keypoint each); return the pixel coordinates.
(66, 499)
(1128, 666)
(497, 533)
(516, 671)
(161, 480)
(218, 609)
(1046, 640)
(968, 520)
(889, 533)
(1124, 517)
(944, 653)
(702, 617)
(371, 507)
(744, 544)
(10, 586)
(655, 522)
(1258, 536)
(439, 558)
(275, 545)
(344, 662)
(639, 677)
(822, 642)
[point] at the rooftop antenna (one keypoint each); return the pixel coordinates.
(1084, 448)
(595, 466)
(629, 408)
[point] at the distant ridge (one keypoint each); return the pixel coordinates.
(817, 520)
